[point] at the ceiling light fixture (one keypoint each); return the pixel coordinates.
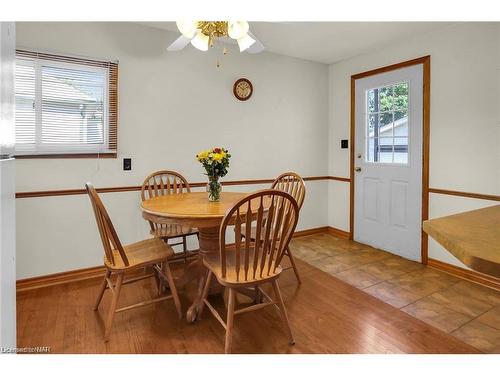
(187, 28)
(205, 34)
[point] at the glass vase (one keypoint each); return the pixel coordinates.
(214, 189)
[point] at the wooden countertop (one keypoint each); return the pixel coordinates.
(473, 237)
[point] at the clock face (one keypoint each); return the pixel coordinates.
(243, 89)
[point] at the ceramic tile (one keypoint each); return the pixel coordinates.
(392, 294)
(480, 336)
(306, 254)
(331, 250)
(425, 282)
(491, 318)
(332, 267)
(479, 292)
(358, 278)
(360, 257)
(318, 260)
(350, 245)
(391, 267)
(436, 314)
(456, 301)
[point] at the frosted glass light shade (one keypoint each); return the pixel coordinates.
(200, 41)
(245, 42)
(187, 28)
(237, 29)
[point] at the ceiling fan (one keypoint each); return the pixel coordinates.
(204, 34)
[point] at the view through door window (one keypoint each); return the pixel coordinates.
(387, 124)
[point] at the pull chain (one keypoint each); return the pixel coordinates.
(225, 51)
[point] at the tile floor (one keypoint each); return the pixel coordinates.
(463, 309)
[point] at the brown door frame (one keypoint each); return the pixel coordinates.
(426, 62)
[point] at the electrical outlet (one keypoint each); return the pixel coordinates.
(127, 164)
(344, 143)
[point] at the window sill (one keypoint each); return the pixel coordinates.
(69, 156)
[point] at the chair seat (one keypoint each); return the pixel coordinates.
(233, 278)
(141, 254)
(173, 231)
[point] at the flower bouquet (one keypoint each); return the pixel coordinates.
(216, 163)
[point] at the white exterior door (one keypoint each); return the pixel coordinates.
(388, 161)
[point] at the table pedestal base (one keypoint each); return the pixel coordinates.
(209, 244)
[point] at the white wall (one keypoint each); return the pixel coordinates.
(465, 116)
(7, 190)
(171, 105)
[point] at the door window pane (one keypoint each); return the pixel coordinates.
(401, 150)
(387, 124)
(401, 96)
(385, 153)
(401, 124)
(386, 99)
(371, 102)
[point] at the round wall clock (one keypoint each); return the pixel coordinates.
(243, 89)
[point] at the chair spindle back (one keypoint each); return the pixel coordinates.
(109, 238)
(275, 214)
(163, 183)
(293, 184)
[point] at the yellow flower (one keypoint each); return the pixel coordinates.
(202, 155)
(217, 157)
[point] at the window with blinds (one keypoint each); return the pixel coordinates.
(65, 105)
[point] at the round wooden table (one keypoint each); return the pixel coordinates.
(193, 210)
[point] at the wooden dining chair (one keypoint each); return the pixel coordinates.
(120, 260)
(164, 183)
(247, 263)
(294, 185)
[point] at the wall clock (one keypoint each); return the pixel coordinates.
(242, 89)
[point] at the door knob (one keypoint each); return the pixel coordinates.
(357, 169)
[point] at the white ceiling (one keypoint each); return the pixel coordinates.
(327, 42)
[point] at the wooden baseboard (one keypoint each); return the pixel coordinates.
(470, 275)
(339, 233)
(59, 278)
(330, 230)
(308, 232)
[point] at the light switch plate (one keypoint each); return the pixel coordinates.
(127, 164)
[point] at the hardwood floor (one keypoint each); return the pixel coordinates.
(327, 316)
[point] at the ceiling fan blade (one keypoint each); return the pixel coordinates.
(257, 47)
(179, 44)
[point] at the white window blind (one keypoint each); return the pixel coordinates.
(64, 105)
